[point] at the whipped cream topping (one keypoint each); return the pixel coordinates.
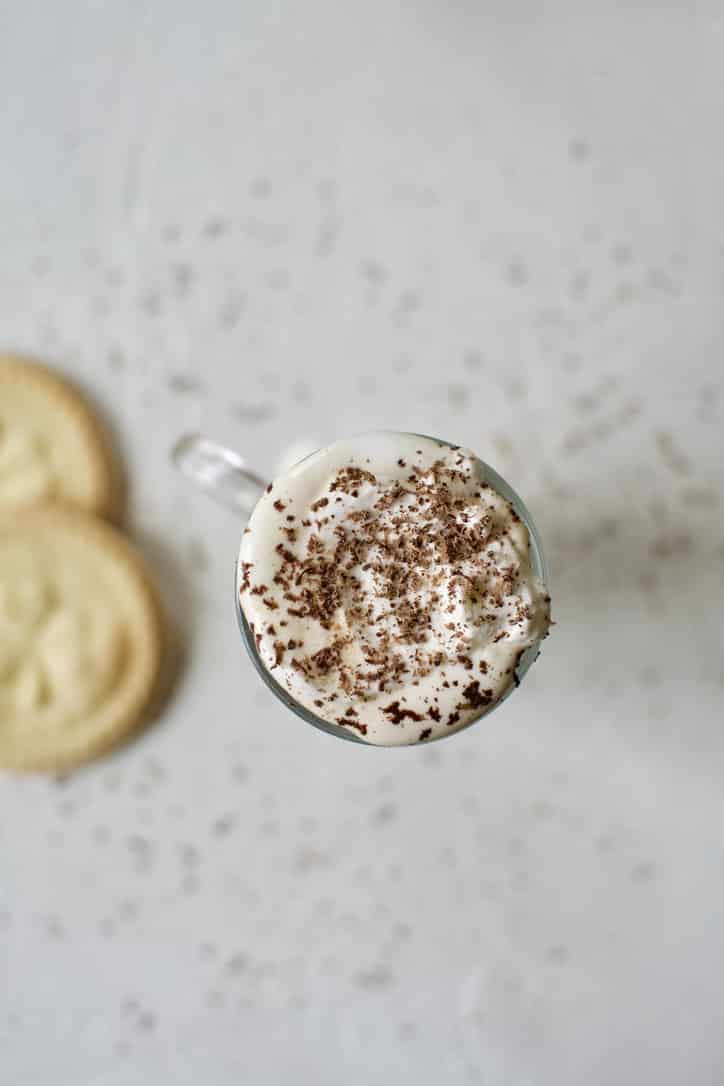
(389, 587)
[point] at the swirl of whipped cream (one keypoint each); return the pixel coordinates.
(389, 587)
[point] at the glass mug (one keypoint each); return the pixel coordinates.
(222, 474)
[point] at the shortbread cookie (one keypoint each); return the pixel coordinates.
(52, 446)
(80, 638)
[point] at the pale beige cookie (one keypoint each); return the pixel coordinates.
(80, 639)
(52, 446)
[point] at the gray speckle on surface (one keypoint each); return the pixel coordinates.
(311, 859)
(373, 272)
(170, 233)
(674, 458)
(517, 273)
(223, 826)
(327, 191)
(578, 149)
(142, 850)
(145, 1022)
(54, 928)
(253, 414)
(642, 873)
(622, 253)
(215, 227)
(375, 979)
(149, 301)
(279, 279)
(113, 277)
(385, 813)
(580, 284)
(557, 954)
(327, 235)
(301, 391)
(458, 396)
(116, 360)
(238, 963)
(183, 276)
(41, 266)
(473, 360)
(408, 302)
(231, 310)
(184, 384)
(260, 188)
(189, 854)
(190, 884)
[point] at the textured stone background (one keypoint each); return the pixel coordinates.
(502, 223)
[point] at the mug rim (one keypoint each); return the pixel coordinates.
(528, 658)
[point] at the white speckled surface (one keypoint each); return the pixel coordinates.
(281, 223)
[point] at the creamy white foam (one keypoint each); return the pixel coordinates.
(389, 587)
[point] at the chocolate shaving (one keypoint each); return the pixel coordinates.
(246, 568)
(286, 554)
(346, 723)
(397, 715)
(327, 659)
(279, 650)
(475, 697)
(348, 480)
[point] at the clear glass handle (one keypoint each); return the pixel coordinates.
(219, 471)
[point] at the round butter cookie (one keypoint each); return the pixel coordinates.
(52, 446)
(81, 639)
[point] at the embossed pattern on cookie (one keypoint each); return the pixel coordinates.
(80, 639)
(52, 446)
